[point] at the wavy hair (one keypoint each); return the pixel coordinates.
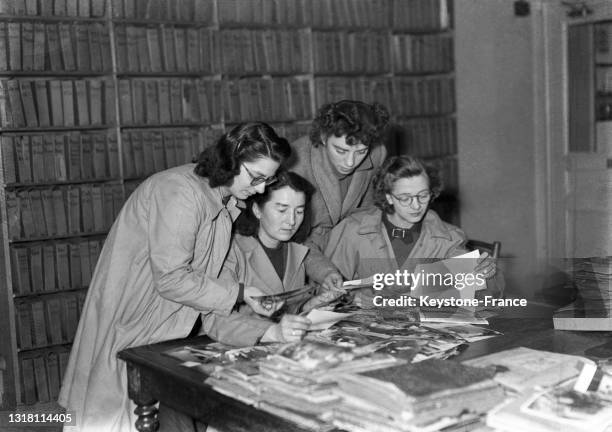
(398, 167)
(245, 142)
(248, 225)
(360, 122)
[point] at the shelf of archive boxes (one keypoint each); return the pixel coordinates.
(34, 74)
(53, 18)
(156, 126)
(173, 74)
(32, 352)
(35, 129)
(58, 237)
(13, 361)
(153, 23)
(53, 183)
(45, 294)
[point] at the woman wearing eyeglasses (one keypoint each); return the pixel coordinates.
(400, 230)
(160, 266)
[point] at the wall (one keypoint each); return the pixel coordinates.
(496, 130)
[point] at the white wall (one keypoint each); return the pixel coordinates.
(496, 116)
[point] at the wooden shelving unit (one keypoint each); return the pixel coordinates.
(95, 95)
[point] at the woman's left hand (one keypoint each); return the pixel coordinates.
(333, 281)
(486, 266)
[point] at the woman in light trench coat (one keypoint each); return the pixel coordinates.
(401, 231)
(159, 269)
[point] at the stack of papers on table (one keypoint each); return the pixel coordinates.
(298, 381)
(592, 277)
(413, 396)
(522, 369)
(557, 409)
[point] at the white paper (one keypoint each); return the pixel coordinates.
(455, 266)
(322, 320)
(358, 283)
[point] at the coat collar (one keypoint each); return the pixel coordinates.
(256, 257)
(371, 223)
(215, 200)
(329, 186)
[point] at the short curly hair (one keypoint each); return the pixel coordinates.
(362, 123)
(398, 167)
(245, 142)
(248, 225)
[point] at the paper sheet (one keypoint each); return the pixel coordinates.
(458, 265)
(322, 320)
(358, 283)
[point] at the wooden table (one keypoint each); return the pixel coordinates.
(154, 376)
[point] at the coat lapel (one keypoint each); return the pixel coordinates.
(380, 249)
(359, 184)
(295, 257)
(327, 183)
(258, 262)
(433, 230)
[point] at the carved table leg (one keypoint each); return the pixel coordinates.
(147, 418)
(139, 392)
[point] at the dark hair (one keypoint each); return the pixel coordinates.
(360, 122)
(398, 167)
(247, 224)
(245, 142)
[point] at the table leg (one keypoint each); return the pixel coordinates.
(140, 393)
(147, 418)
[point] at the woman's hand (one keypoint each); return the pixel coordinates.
(291, 328)
(326, 297)
(486, 266)
(332, 281)
(259, 307)
(364, 298)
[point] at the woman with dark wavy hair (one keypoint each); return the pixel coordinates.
(339, 158)
(400, 230)
(265, 253)
(160, 265)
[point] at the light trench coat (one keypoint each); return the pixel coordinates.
(158, 270)
(327, 206)
(360, 247)
(248, 263)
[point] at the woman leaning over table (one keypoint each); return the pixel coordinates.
(400, 230)
(159, 268)
(339, 158)
(263, 254)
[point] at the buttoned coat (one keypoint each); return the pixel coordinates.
(360, 247)
(248, 263)
(157, 271)
(327, 206)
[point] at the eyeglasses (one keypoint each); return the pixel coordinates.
(406, 200)
(257, 180)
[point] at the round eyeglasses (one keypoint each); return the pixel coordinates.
(257, 180)
(406, 200)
